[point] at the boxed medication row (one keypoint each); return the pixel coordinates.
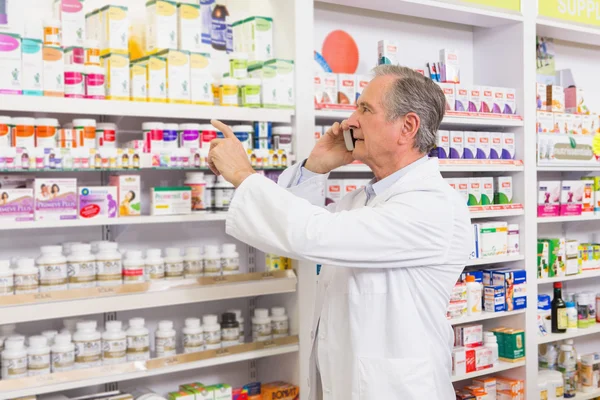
(562, 123)
(559, 257)
(338, 188)
(474, 145)
(484, 191)
(495, 239)
(333, 88)
(493, 388)
(569, 198)
(555, 98)
(479, 99)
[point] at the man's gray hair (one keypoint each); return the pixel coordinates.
(412, 92)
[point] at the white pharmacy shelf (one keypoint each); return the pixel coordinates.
(484, 316)
(568, 168)
(567, 32)
(61, 381)
(97, 300)
(53, 105)
(495, 260)
(458, 167)
(143, 219)
(554, 337)
(502, 366)
(568, 218)
(497, 213)
(583, 275)
(587, 396)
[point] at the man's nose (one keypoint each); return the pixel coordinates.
(353, 120)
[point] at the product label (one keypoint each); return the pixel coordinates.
(223, 198)
(114, 351)
(230, 265)
(261, 332)
(165, 347)
(109, 271)
(193, 342)
(212, 267)
(230, 337)
(88, 353)
(38, 364)
(7, 286)
(192, 268)
(14, 367)
(229, 95)
(26, 284)
(81, 274)
(138, 348)
(155, 271)
(212, 338)
(133, 274)
(94, 86)
(63, 361)
(174, 270)
(562, 321)
(53, 276)
(279, 328)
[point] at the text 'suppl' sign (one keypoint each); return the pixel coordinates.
(581, 11)
(513, 5)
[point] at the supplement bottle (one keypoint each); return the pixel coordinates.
(567, 366)
(63, 353)
(45, 132)
(81, 265)
(240, 320)
(70, 325)
(261, 325)
(212, 332)
(26, 277)
(474, 296)
(67, 247)
(50, 335)
(282, 138)
(53, 269)
(230, 260)
(7, 279)
(189, 136)
(223, 194)
(491, 342)
(114, 344)
(14, 360)
(38, 356)
(133, 267)
(165, 339)
(52, 32)
(109, 265)
(85, 131)
(88, 345)
(559, 310)
(193, 336)
(173, 263)
(94, 246)
(155, 265)
(171, 136)
(230, 330)
(583, 312)
(106, 135)
(138, 340)
(195, 180)
(279, 323)
(244, 134)
(571, 316)
(193, 264)
(212, 261)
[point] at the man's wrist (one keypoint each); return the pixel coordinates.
(241, 176)
(310, 165)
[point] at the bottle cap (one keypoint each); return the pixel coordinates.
(134, 254)
(193, 251)
(87, 325)
(173, 252)
(13, 344)
(278, 311)
(557, 285)
(81, 248)
(51, 249)
(62, 339)
(5, 266)
(137, 322)
(228, 248)
(38, 341)
(570, 304)
(114, 326)
(211, 250)
(238, 313)
(261, 313)
(192, 322)
(227, 318)
(165, 325)
(107, 246)
(470, 278)
(26, 263)
(153, 253)
(209, 319)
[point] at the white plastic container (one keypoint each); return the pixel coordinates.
(282, 138)
(230, 259)
(45, 132)
(171, 136)
(74, 81)
(212, 261)
(193, 336)
(138, 340)
(81, 267)
(474, 296)
(240, 320)
(155, 265)
(53, 269)
(279, 323)
(153, 136)
(85, 132)
(173, 263)
(26, 277)
(223, 194)
(165, 339)
(193, 263)
(133, 267)
(38, 356)
(109, 264)
(212, 332)
(261, 325)
(63, 353)
(14, 360)
(491, 342)
(114, 344)
(7, 279)
(244, 134)
(513, 239)
(196, 181)
(189, 136)
(88, 345)
(106, 135)
(50, 335)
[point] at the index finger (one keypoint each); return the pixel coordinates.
(224, 129)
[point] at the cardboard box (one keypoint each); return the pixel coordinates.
(483, 358)
(116, 68)
(475, 99)
(113, 28)
(330, 85)
(443, 144)
(549, 193)
(541, 102)
(189, 27)
(16, 204)
(474, 192)
(487, 191)
(97, 202)
(387, 52)
(33, 67)
(494, 299)
(462, 186)
(496, 145)
(575, 101)
(487, 100)
(456, 144)
(503, 190)
(514, 345)
(470, 145)
(55, 199)
(571, 197)
(361, 83)
(470, 336)
(334, 190)
(587, 202)
(561, 125)
(498, 105)
(493, 238)
(515, 287)
(161, 25)
(461, 102)
(545, 122)
(178, 76)
(596, 180)
(483, 145)
(543, 259)
(138, 81)
(156, 71)
(449, 65)
(459, 361)
(556, 256)
(72, 17)
(448, 89)
(558, 98)
(572, 257)
(588, 124)
(508, 146)
(510, 104)
(280, 391)
(54, 71)
(201, 79)
(128, 193)
(346, 91)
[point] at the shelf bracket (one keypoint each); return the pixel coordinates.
(110, 316)
(251, 259)
(111, 387)
(252, 371)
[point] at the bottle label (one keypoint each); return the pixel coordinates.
(88, 352)
(230, 264)
(63, 361)
(114, 350)
(133, 274)
(174, 270)
(193, 342)
(192, 268)
(138, 347)
(165, 347)
(230, 334)
(212, 267)
(82, 274)
(280, 328)
(109, 270)
(212, 338)
(26, 283)
(14, 367)
(155, 271)
(38, 364)
(561, 318)
(261, 332)
(7, 285)
(53, 275)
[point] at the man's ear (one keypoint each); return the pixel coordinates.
(410, 127)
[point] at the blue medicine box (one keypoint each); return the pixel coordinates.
(477, 274)
(515, 287)
(494, 299)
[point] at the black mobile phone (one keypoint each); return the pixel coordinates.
(349, 139)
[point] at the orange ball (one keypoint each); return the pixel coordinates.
(341, 52)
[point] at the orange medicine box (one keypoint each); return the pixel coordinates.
(280, 391)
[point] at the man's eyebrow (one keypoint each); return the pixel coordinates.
(363, 103)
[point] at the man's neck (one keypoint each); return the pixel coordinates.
(382, 170)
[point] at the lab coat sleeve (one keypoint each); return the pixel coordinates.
(312, 189)
(402, 232)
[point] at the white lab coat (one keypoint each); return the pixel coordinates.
(388, 270)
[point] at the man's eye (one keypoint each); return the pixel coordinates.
(364, 109)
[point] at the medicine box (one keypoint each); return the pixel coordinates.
(508, 146)
(138, 81)
(318, 88)
(55, 199)
(178, 76)
(545, 122)
(170, 200)
(72, 18)
(330, 85)
(221, 391)
(346, 89)
(449, 65)
(596, 189)
(361, 83)
(254, 36)
(280, 391)
(575, 101)
(156, 71)
(334, 190)
(561, 123)
(496, 145)
(483, 145)
(515, 287)
(494, 299)
(456, 144)
(470, 145)
(54, 70)
(543, 258)
(493, 238)
(556, 256)
(488, 384)
(571, 197)
(449, 92)
(10, 64)
(17, 204)
(549, 193)
(588, 124)
(571, 124)
(475, 245)
(462, 98)
(487, 100)
(541, 103)
(483, 358)
(474, 192)
(459, 362)
(514, 345)
(456, 309)
(558, 98)
(189, 27)
(462, 186)
(182, 395)
(443, 144)
(459, 292)
(503, 190)
(475, 97)
(572, 256)
(510, 105)
(201, 79)
(116, 68)
(478, 275)
(469, 336)
(97, 202)
(161, 25)
(33, 67)
(283, 70)
(587, 203)
(128, 193)
(487, 191)
(113, 29)
(387, 52)
(498, 104)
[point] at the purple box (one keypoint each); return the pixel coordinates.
(55, 199)
(16, 204)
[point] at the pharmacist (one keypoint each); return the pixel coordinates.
(391, 252)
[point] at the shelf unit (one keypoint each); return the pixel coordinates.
(583, 275)
(568, 218)
(495, 260)
(484, 316)
(555, 337)
(502, 366)
(447, 167)
(587, 396)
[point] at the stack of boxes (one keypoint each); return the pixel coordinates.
(344, 89)
(470, 145)
(484, 191)
(559, 257)
(493, 388)
(569, 198)
(495, 239)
